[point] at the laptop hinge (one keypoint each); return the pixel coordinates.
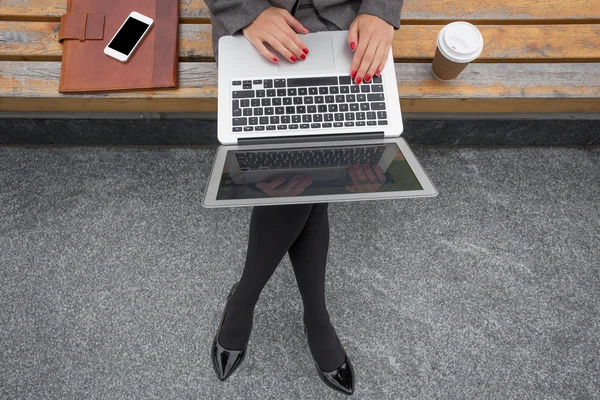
(314, 138)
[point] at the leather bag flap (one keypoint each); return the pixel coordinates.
(81, 26)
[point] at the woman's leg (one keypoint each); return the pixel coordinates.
(309, 258)
(273, 230)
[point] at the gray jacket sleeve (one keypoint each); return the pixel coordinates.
(387, 10)
(235, 15)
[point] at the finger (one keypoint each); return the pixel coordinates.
(304, 183)
(294, 23)
(356, 184)
(381, 49)
(262, 49)
(358, 56)
(276, 183)
(366, 60)
(277, 45)
(382, 62)
(362, 177)
(370, 174)
(352, 36)
(351, 188)
(290, 185)
(379, 173)
(291, 40)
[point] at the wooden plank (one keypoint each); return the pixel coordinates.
(414, 11)
(498, 88)
(504, 43)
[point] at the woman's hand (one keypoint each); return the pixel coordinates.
(370, 38)
(293, 188)
(277, 27)
(365, 179)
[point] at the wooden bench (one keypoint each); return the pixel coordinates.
(539, 57)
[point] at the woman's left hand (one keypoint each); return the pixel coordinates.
(370, 38)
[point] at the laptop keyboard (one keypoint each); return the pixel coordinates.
(306, 103)
(296, 159)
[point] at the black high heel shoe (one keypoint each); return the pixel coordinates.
(340, 379)
(225, 361)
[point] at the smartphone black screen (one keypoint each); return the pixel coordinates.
(128, 36)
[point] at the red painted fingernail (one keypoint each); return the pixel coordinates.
(367, 78)
(353, 74)
(378, 72)
(275, 59)
(358, 80)
(305, 51)
(302, 56)
(293, 59)
(304, 27)
(353, 46)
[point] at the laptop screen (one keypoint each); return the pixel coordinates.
(315, 171)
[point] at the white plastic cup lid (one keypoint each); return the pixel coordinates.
(460, 42)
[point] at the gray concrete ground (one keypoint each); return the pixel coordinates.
(113, 278)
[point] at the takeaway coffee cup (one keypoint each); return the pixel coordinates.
(458, 44)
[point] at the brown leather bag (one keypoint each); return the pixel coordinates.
(87, 28)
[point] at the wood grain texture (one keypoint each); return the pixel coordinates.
(503, 43)
(33, 86)
(414, 11)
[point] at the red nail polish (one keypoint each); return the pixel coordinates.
(378, 72)
(353, 46)
(302, 56)
(275, 59)
(358, 80)
(304, 27)
(293, 59)
(367, 78)
(353, 74)
(305, 51)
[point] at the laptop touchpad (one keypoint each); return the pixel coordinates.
(320, 56)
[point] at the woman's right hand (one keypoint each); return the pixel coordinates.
(277, 27)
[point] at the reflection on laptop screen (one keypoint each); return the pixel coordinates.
(315, 171)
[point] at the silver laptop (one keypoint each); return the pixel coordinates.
(306, 133)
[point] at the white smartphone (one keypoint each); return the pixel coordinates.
(128, 37)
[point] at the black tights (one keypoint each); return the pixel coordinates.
(303, 231)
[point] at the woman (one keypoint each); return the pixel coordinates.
(300, 230)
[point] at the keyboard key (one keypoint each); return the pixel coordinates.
(271, 127)
(236, 112)
(268, 83)
(328, 117)
(292, 92)
(333, 108)
(371, 123)
(349, 124)
(377, 106)
(287, 101)
(263, 120)
(297, 100)
(365, 88)
(301, 109)
(235, 104)
(281, 92)
(365, 106)
(360, 123)
(377, 79)
(307, 118)
(350, 98)
(318, 118)
(290, 110)
(319, 99)
(311, 109)
(322, 108)
(315, 126)
(339, 116)
(320, 81)
(242, 94)
(296, 119)
(281, 127)
(271, 93)
(340, 98)
(247, 86)
(285, 119)
(343, 107)
(360, 115)
(361, 97)
(381, 115)
(261, 93)
(279, 83)
(279, 110)
(376, 97)
(247, 112)
(327, 125)
(345, 89)
(371, 115)
(349, 116)
(338, 124)
(257, 82)
(255, 102)
(253, 120)
(345, 80)
(293, 126)
(334, 90)
(259, 128)
(269, 111)
(302, 92)
(354, 89)
(382, 122)
(258, 111)
(354, 106)
(313, 90)
(377, 88)
(237, 128)
(308, 100)
(304, 126)
(274, 120)
(248, 128)
(329, 99)
(323, 90)
(265, 102)
(236, 83)
(276, 101)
